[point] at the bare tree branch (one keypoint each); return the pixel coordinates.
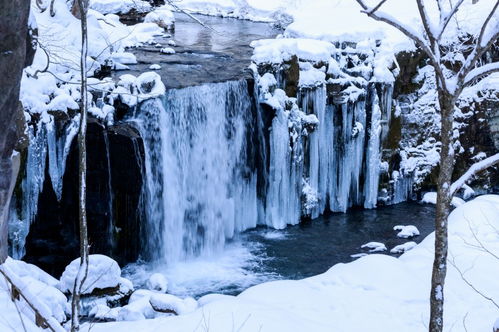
(446, 20)
(479, 49)
(474, 169)
(41, 311)
(480, 72)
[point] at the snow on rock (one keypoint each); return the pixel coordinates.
(279, 50)
(163, 17)
(150, 84)
(401, 248)
(311, 77)
(168, 303)
(55, 300)
(374, 246)
(172, 43)
(155, 67)
(431, 198)
(157, 282)
(118, 6)
(406, 231)
(103, 272)
(386, 292)
(167, 50)
(23, 269)
(104, 313)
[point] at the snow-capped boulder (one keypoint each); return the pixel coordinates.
(167, 303)
(157, 282)
(23, 269)
(406, 231)
(53, 298)
(150, 84)
(403, 247)
(162, 17)
(102, 312)
(103, 273)
(374, 246)
(167, 50)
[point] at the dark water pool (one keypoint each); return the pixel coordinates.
(314, 246)
(300, 251)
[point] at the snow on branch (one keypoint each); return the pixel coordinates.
(42, 313)
(486, 38)
(481, 72)
(474, 169)
(445, 19)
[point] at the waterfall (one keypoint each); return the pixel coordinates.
(199, 188)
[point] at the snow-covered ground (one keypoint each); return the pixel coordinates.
(375, 293)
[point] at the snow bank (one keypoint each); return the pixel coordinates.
(58, 88)
(103, 272)
(157, 282)
(163, 17)
(38, 286)
(375, 293)
(431, 198)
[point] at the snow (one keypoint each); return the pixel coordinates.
(118, 6)
(103, 272)
(155, 67)
(279, 50)
(374, 246)
(167, 50)
(401, 248)
(406, 231)
(163, 17)
(431, 198)
(168, 302)
(386, 292)
(157, 282)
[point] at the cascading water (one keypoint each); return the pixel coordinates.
(199, 189)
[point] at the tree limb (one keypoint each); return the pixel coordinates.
(41, 311)
(479, 49)
(474, 169)
(481, 71)
(447, 19)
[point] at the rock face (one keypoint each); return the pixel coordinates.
(114, 188)
(13, 48)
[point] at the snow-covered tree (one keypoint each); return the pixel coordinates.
(457, 58)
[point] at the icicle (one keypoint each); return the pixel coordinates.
(32, 186)
(58, 150)
(373, 157)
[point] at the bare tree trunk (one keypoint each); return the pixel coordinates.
(444, 198)
(82, 155)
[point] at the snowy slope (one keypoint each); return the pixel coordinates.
(374, 293)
